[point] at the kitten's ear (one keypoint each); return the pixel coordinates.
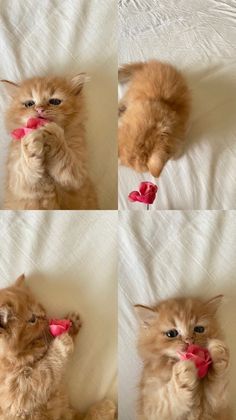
(20, 281)
(145, 314)
(78, 81)
(214, 303)
(126, 71)
(11, 87)
(5, 314)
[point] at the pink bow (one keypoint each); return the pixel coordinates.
(201, 358)
(32, 124)
(59, 326)
(146, 194)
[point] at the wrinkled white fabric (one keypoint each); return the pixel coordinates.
(166, 254)
(69, 260)
(67, 37)
(199, 37)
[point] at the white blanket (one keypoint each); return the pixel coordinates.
(166, 254)
(70, 264)
(199, 37)
(67, 37)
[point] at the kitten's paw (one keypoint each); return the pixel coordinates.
(76, 323)
(33, 148)
(185, 374)
(52, 130)
(220, 355)
(103, 410)
(65, 343)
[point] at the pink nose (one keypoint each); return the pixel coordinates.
(188, 340)
(39, 109)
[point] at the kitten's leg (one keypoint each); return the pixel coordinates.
(33, 156)
(216, 383)
(62, 162)
(126, 71)
(183, 386)
(46, 375)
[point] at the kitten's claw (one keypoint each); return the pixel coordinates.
(76, 323)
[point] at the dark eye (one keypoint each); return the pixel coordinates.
(54, 101)
(199, 329)
(33, 319)
(172, 333)
(29, 103)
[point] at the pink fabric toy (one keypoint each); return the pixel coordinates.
(59, 326)
(146, 194)
(201, 358)
(32, 124)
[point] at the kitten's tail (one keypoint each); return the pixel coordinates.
(126, 71)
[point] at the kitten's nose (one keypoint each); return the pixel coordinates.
(188, 340)
(39, 109)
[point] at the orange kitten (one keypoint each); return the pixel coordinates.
(154, 113)
(170, 388)
(47, 169)
(33, 364)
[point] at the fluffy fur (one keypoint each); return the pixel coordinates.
(154, 113)
(170, 388)
(32, 363)
(48, 168)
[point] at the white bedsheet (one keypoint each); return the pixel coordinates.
(166, 254)
(199, 37)
(67, 37)
(69, 260)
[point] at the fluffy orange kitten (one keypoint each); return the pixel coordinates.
(47, 169)
(33, 364)
(170, 388)
(154, 113)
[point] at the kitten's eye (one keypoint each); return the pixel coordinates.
(172, 333)
(33, 319)
(29, 103)
(199, 329)
(54, 101)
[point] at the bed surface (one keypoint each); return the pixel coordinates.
(70, 264)
(168, 254)
(199, 37)
(67, 37)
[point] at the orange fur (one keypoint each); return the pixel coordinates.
(47, 169)
(170, 388)
(154, 113)
(32, 363)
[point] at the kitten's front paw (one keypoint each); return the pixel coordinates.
(76, 323)
(220, 355)
(185, 374)
(33, 148)
(52, 130)
(65, 343)
(104, 410)
(53, 138)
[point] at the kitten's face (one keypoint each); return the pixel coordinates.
(54, 98)
(169, 328)
(23, 321)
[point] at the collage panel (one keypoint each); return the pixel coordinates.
(176, 103)
(58, 101)
(67, 348)
(177, 315)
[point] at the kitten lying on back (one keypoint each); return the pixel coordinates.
(33, 363)
(154, 113)
(47, 169)
(170, 388)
